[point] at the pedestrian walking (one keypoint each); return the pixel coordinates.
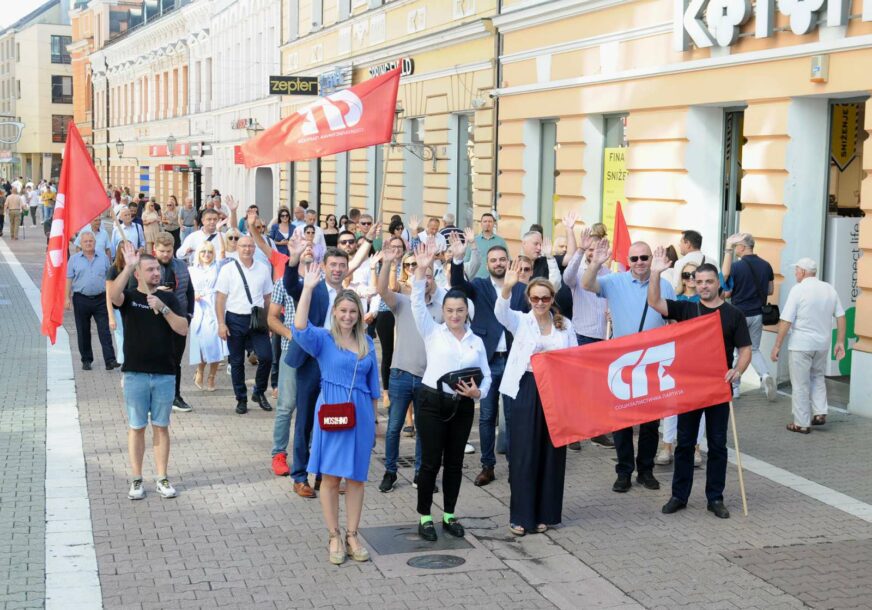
(151, 318)
(187, 219)
(208, 232)
(34, 201)
(14, 205)
(206, 346)
(807, 316)
(3, 196)
(280, 319)
(169, 220)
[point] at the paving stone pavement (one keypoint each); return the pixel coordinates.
(237, 537)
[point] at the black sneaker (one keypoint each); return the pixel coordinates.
(719, 509)
(86, 366)
(576, 446)
(387, 483)
(261, 401)
(179, 404)
(427, 531)
(242, 406)
(647, 480)
(622, 484)
(603, 440)
(112, 365)
(453, 527)
(673, 506)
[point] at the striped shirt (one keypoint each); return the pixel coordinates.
(588, 310)
(280, 297)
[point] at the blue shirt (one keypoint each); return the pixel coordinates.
(746, 293)
(89, 276)
(627, 298)
(102, 237)
(132, 233)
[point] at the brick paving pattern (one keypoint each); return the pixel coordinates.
(237, 536)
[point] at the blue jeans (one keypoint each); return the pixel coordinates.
(489, 413)
(285, 406)
(402, 390)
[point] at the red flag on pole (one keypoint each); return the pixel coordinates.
(81, 197)
(357, 117)
(602, 387)
(621, 238)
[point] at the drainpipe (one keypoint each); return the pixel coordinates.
(498, 77)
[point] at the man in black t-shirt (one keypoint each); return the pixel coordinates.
(736, 336)
(152, 318)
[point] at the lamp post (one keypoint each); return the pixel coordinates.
(171, 145)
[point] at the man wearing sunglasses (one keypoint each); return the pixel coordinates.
(627, 296)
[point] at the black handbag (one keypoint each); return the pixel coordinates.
(771, 313)
(258, 323)
(466, 375)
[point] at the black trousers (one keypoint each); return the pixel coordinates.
(179, 342)
(241, 337)
(384, 328)
(717, 418)
(649, 437)
(2, 222)
(538, 467)
(177, 239)
(85, 308)
(443, 426)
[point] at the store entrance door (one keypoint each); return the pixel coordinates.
(732, 187)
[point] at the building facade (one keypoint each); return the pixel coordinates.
(702, 115)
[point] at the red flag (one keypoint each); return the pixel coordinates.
(621, 238)
(278, 261)
(80, 198)
(606, 386)
(357, 117)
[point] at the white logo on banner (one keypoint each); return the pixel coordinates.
(55, 254)
(661, 355)
(338, 117)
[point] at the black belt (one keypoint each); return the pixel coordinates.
(91, 296)
(504, 354)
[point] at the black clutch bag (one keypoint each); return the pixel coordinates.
(454, 378)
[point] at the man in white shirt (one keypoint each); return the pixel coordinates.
(690, 249)
(208, 232)
(234, 299)
(807, 314)
(129, 231)
(431, 233)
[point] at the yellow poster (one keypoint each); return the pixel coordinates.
(614, 177)
(843, 138)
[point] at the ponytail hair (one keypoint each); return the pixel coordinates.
(559, 320)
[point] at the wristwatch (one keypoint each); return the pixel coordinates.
(367, 239)
(164, 310)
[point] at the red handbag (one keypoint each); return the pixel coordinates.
(337, 416)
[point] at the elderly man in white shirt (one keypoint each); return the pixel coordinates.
(127, 230)
(807, 314)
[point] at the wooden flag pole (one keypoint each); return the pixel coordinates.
(738, 461)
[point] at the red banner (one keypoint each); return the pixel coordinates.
(621, 238)
(80, 198)
(182, 149)
(357, 117)
(610, 385)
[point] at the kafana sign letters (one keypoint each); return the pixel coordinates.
(708, 23)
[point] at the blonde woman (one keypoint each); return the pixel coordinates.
(150, 225)
(349, 373)
(206, 346)
(231, 239)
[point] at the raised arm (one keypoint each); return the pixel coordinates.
(363, 251)
(658, 266)
(310, 280)
(569, 231)
(131, 257)
(505, 315)
(600, 255)
(383, 283)
(424, 255)
(727, 265)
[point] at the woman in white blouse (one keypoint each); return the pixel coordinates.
(206, 346)
(537, 466)
(445, 414)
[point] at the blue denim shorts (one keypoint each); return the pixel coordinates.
(148, 394)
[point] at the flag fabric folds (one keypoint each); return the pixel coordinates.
(606, 386)
(80, 198)
(357, 117)
(621, 238)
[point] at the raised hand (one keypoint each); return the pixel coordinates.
(376, 258)
(312, 276)
(546, 247)
(296, 246)
(424, 255)
(586, 239)
(734, 239)
(469, 234)
(569, 220)
(457, 246)
(231, 202)
(374, 231)
(601, 253)
(661, 262)
(131, 254)
(513, 274)
(389, 255)
(414, 224)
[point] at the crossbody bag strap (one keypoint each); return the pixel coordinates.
(644, 315)
(760, 294)
(244, 282)
(353, 377)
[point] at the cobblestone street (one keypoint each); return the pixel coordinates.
(238, 537)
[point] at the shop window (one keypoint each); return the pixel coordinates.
(734, 142)
(293, 20)
(59, 53)
(547, 174)
(614, 176)
(59, 125)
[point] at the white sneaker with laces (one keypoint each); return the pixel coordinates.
(137, 491)
(163, 487)
(469, 449)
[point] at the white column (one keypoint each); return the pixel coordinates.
(137, 102)
(180, 90)
(194, 75)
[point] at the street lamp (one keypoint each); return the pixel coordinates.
(171, 145)
(119, 147)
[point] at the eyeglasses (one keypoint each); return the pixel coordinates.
(310, 232)
(687, 275)
(410, 265)
(525, 270)
(231, 238)
(543, 300)
(364, 224)
(642, 258)
(346, 242)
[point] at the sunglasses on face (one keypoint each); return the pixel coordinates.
(346, 242)
(643, 258)
(525, 270)
(365, 224)
(543, 300)
(232, 239)
(410, 265)
(688, 275)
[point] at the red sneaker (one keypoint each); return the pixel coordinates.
(280, 465)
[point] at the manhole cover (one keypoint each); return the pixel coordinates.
(435, 562)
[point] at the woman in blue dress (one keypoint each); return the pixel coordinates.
(349, 371)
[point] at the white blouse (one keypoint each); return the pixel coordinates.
(444, 352)
(527, 341)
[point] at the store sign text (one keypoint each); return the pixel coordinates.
(707, 23)
(293, 85)
(408, 67)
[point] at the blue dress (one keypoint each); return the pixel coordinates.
(343, 453)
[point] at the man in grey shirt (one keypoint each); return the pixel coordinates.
(409, 359)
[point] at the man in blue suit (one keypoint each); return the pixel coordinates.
(336, 267)
(497, 341)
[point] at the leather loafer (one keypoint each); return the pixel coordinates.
(111, 366)
(86, 366)
(454, 528)
(261, 401)
(303, 490)
(622, 484)
(673, 506)
(647, 480)
(484, 477)
(242, 407)
(603, 440)
(427, 531)
(719, 510)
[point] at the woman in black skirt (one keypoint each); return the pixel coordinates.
(536, 465)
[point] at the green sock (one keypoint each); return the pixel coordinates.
(426, 519)
(447, 517)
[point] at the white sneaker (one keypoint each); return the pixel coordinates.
(163, 487)
(664, 457)
(770, 388)
(697, 458)
(469, 449)
(137, 491)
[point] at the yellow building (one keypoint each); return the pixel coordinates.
(442, 160)
(702, 115)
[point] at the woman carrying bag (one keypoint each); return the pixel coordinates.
(457, 374)
(537, 467)
(346, 411)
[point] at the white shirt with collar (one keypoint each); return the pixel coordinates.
(528, 340)
(502, 346)
(195, 240)
(260, 284)
(444, 352)
(331, 298)
(810, 308)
